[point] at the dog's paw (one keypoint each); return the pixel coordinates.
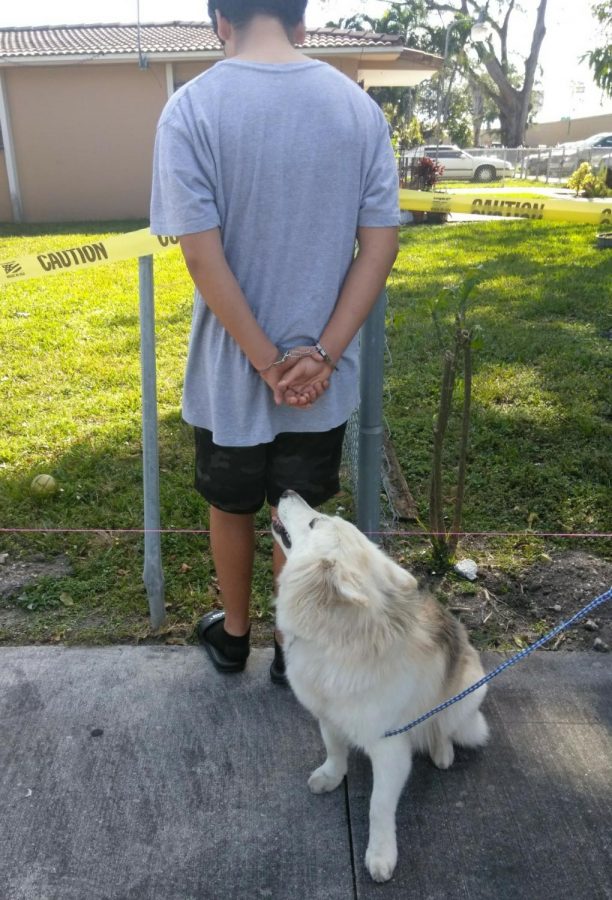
(322, 780)
(443, 754)
(380, 862)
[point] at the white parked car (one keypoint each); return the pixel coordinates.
(460, 164)
(565, 158)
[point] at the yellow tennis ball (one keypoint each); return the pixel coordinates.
(43, 484)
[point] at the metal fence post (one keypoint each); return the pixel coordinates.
(153, 575)
(372, 343)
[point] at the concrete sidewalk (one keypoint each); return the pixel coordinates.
(139, 773)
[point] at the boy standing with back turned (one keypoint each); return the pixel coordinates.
(268, 166)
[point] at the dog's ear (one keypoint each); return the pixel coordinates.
(347, 586)
(352, 594)
(341, 583)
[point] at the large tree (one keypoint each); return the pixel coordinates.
(600, 58)
(512, 100)
(492, 74)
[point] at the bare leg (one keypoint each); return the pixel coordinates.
(391, 764)
(232, 539)
(328, 776)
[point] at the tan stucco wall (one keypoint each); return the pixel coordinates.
(350, 67)
(83, 139)
(84, 135)
(186, 71)
(6, 212)
(552, 133)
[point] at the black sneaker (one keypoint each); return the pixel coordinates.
(228, 653)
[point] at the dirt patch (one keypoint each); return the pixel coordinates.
(502, 610)
(12, 619)
(18, 574)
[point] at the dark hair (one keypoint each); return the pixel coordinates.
(240, 12)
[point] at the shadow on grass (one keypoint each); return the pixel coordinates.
(569, 279)
(181, 316)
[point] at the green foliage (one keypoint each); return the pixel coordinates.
(600, 58)
(600, 62)
(587, 183)
(448, 308)
(459, 132)
(414, 133)
(403, 133)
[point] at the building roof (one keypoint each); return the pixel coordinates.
(53, 41)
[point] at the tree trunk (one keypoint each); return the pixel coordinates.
(514, 104)
(531, 65)
(512, 133)
(477, 110)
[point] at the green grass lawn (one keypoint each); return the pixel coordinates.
(488, 185)
(542, 395)
(70, 406)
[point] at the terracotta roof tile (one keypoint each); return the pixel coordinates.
(170, 37)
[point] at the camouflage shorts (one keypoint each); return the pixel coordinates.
(241, 479)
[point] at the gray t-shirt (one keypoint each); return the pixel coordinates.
(287, 160)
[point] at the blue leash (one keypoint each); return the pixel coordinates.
(505, 665)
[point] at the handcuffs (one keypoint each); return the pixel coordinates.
(292, 354)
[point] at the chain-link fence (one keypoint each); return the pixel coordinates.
(539, 164)
(350, 452)
(551, 163)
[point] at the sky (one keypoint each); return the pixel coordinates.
(571, 31)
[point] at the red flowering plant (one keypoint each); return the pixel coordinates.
(425, 173)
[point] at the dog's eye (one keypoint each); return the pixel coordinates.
(311, 524)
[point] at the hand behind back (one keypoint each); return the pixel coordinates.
(299, 381)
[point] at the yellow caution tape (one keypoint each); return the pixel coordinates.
(84, 256)
(143, 243)
(519, 206)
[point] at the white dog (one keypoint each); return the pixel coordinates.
(367, 652)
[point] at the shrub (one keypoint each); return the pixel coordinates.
(587, 183)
